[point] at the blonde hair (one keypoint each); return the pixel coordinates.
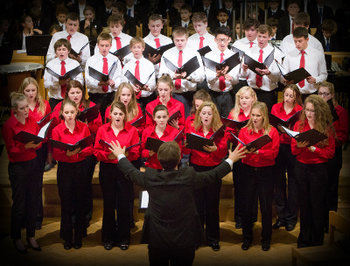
(330, 87)
(166, 79)
(132, 109)
(237, 108)
(264, 113)
(323, 116)
(137, 40)
(38, 99)
(216, 121)
(15, 98)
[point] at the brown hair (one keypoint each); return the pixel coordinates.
(76, 84)
(166, 79)
(72, 16)
(199, 17)
(300, 32)
(201, 94)
(329, 25)
(296, 92)
(115, 19)
(180, 31)
(302, 19)
(169, 155)
(264, 28)
(38, 99)
(89, 8)
(250, 22)
(121, 107)
(264, 112)
(103, 36)
(62, 42)
(155, 17)
(137, 40)
(72, 103)
(160, 107)
(61, 10)
(216, 121)
(330, 87)
(132, 109)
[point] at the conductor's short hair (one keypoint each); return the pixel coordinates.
(169, 155)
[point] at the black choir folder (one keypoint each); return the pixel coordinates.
(44, 120)
(101, 76)
(138, 122)
(256, 144)
(296, 75)
(122, 52)
(276, 121)
(89, 114)
(82, 144)
(233, 123)
(197, 142)
(175, 115)
(231, 62)
(153, 144)
(76, 53)
(189, 67)
(253, 64)
(204, 50)
(26, 137)
(149, 50)
(312, 136)
(37, 45)
(70, 74)
(134, 81)
(107, 145)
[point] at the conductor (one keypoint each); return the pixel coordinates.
(171, 224)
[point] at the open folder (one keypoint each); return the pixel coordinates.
(37, 45)
(89, 114)
(101, 76)
(43, 121)
(312, 136)
(231, 62)
(70, 74)
(276, 121)
(233, 123)
(197, 142)
(149, 50)
(138, 122)
(204, 50)
(153, 144)
(256, 144)
(189, 67)
(122, 52)
(76, 53)
(296, 75)
(253, 64)
(82, 144)
(26, 137)
(134, 81)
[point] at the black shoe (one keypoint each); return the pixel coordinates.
(246, 244)
(77, 244)
(215, 246)
(124, 246)
(108, 245)
(290, 227)
(20, 248)
(265, 245)
(278, 224)
(34, 247)
(67, 245)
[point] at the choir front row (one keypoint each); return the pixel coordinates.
(312, 170)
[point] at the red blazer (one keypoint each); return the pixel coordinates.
(172, 105)
(169, 135)
(267, 154)
(62, 134)
(126, 137)
(15, 149)
(320, 155)
(278, 110)
(204, 158)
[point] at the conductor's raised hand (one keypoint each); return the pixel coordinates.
(116, 148)
(238, 153)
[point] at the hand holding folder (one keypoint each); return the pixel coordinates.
(233, 123)
(106, 145)
(276, 121)
(152, 52)
(311, 136)
(26, 137)
(189, 67)
(77, 53)
(256, 144)
(197, 142)
(295, 76)
(153, 144)
(81, 144)
(101, 76)
(230, 62)
(89, 114)
(253, 65)
(69, 75)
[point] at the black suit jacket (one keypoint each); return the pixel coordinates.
(171, 219)
(279, 13)
(334, 42)
(315, 17)
(283, 27)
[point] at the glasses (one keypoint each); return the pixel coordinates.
(324, 93)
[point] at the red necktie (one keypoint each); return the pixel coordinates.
(137, 76)
(119, 43)
(69, 37)
(302, 65)
(222, 85)
(63, 87)
(201, 42)
(251, 44)
(179, 64)
(157, 42)
(105, 71)
(258, 79)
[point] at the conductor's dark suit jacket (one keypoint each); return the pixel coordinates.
(171, 219)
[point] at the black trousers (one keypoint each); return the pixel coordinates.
(186, 98)
(176, 256)
(53, 102)
(268, 97)
(104, 100)
(25, 185)
(286, 206)
(73, 183)
(207, 202)
(223, 102)
(91, 162)
(115, 189)
(334, 166)
(258, 179)
(42, 156)
(312, 182)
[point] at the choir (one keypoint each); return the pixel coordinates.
(121, 93)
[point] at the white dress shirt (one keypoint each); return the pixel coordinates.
(269, 82)
(96, 62)
(124, 39)
(212, 79)
(196, 77)
(244, 45)
(77, 41)
(288, 45)
(51, 83)
(147, 74)
(209, 40)
(315, 64)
